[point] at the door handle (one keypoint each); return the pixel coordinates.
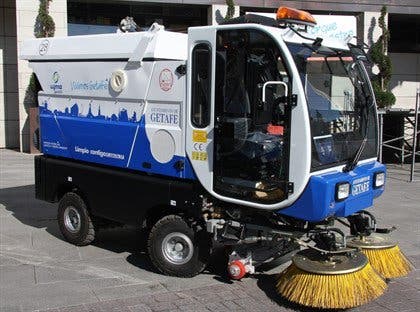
(274, 83)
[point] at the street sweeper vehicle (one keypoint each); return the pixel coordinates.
(249, 135)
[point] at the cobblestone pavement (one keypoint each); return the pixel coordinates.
(39, 271)
(253, 294)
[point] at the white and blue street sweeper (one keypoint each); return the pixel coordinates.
(250, 135)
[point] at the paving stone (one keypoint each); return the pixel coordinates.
(184, 302)
(242, 294)
(93, 307)
(78, 308)
(182, 295)
(217, 307)
(401, 306)
(232, 294)
(162, 306)
(139, 308)
(209, 298)
(231, 305)
(208, 290)
(166, 297)
(112, 303)
(194, 308)
(146, 300)
(249, 304)
(371, 307)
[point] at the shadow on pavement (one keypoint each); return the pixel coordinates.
(21, 203)
(23, 206)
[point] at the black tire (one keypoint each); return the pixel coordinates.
(176, 225)
(81, 233)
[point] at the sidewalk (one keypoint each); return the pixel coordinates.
(40, 271)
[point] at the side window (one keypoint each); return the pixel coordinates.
(201, 85)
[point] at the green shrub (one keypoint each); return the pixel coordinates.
(230, 9)
(44, 27)
(378, 55)
(44, 23)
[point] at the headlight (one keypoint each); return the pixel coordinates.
(379, 179)
(342, 191)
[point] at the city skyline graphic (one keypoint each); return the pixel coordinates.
(74, 110)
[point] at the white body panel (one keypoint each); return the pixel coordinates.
(88, 82)
(162, 45)
(165, 110)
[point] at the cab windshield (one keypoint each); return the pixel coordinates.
(341, 106)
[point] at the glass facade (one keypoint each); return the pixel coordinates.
(96, 18)
(404, 32)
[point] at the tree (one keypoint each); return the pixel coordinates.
(44, 27)
(230, 9)
(44, 23)
(378, 54)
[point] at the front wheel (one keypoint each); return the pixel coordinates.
(175, 249)
(74, 220)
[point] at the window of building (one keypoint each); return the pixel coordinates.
(201, 85)
(95, 17)
(404, 33)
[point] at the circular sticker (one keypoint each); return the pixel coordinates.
(166, 79)
(43, 47)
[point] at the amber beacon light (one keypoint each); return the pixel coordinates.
(285, 14)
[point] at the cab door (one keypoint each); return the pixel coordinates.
(200, 103)
(252, 116)
(240, 86)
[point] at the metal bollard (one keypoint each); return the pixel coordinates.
(415, 133)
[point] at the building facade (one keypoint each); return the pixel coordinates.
(78, 17)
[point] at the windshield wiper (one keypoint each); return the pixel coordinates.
(353, 163)
(355, 159)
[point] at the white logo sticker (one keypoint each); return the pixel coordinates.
(43, 47)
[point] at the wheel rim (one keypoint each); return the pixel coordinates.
(72, 220)
(177, 248)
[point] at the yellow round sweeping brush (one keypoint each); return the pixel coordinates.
(384, 256)
(389, 262)
(340, 282)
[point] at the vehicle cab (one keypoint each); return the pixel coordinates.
(279, 121)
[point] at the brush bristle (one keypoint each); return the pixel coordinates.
(339, 291)
(389, 262)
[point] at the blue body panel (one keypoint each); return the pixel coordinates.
(318, 199)
(118, 141)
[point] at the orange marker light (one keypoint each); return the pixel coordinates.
(289, 14)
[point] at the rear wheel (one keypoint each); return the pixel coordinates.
(176, 249)
(74, 221)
